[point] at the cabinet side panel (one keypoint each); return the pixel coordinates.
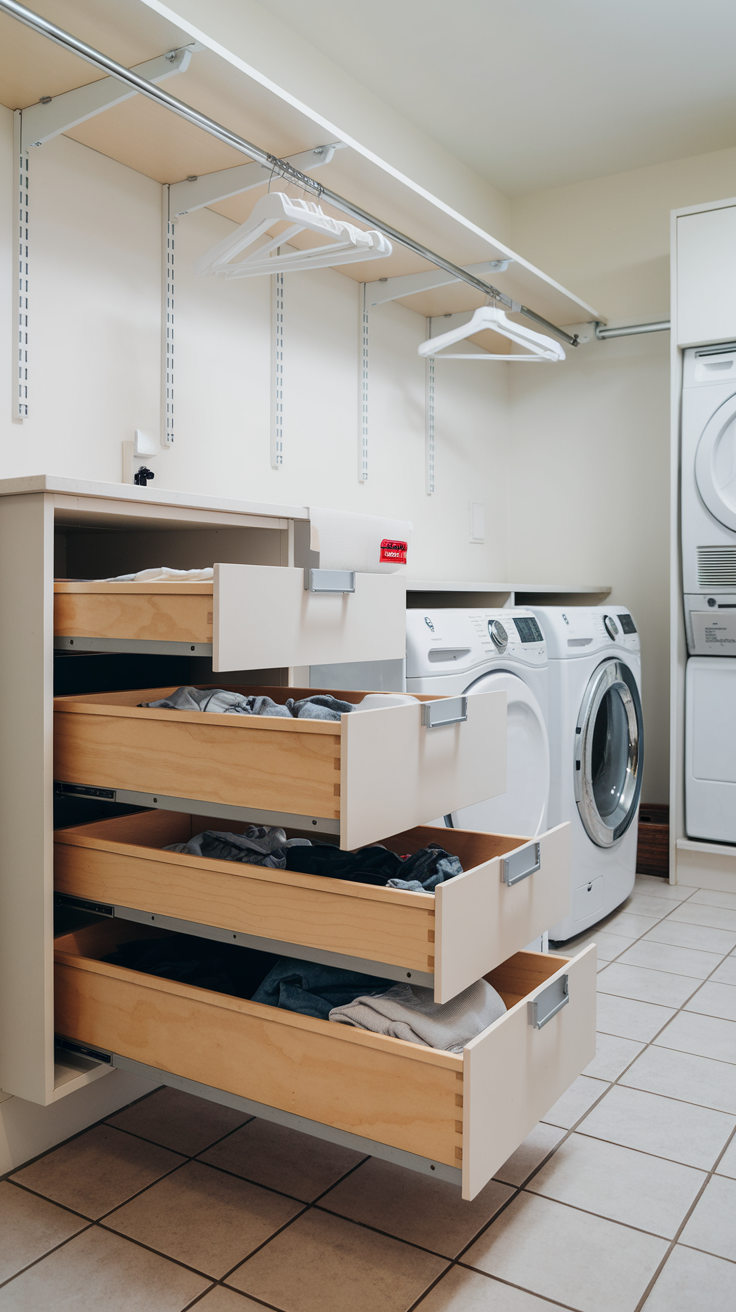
(26, 822)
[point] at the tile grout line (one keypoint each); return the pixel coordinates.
(673, 1244)
(82, 1229)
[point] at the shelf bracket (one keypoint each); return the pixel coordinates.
(195, 193)
(56, 114)
(393, 289)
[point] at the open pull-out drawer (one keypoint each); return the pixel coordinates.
(368, 773)
(512, 889)
(250, 617)
(458, 1116)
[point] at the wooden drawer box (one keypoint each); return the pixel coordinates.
(464, 1112)
(446, 940)
(369, 773)
(249, 617)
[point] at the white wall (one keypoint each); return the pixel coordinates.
(95, 359)
(591, 439)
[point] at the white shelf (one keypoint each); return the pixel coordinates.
(223, 82)
(554, 589)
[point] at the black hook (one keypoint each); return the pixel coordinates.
(142, 476)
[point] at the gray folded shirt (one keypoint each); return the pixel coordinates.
(410, 1013)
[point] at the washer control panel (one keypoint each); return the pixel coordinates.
(439, 641)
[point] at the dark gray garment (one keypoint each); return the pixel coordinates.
(312, 989)
(259, 845)
(320, 707)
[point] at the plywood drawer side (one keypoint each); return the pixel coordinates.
(236, 764)
(390, 1091)
(149, 617)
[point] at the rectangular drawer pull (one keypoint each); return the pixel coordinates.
(520, 864)
(451, 710)
(329, 580)
(549, 1002)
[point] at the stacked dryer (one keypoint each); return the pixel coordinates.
(708, 525)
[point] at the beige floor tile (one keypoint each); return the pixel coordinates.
(681, 1075)
(677, 1130)
(642, 985)
(98, 1270)
(283, 1159)
(726, 973)
(696, 913)
(226, 1300)
(322, 1263)
(654, 886)
(409, 1206)
(694, 1282)
(696, 964)
(642, 904)
(627, 1019)
(30, 1227)
(204, 1218)
(705, 1036)
(179, 1121)
(99, 1170)
(469, 1291)
(580, 1260)
(727, 1164)
(712, 1225)
(530, 1153)
(609, 945)
(715, 1000)
(699, 937)
(646, 1192)
(575, 1102)
(709, 897)
(630, 924)
(612, 1056)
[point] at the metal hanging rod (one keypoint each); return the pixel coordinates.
(631, 330)
(280, 168)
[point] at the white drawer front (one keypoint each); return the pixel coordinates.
(514, 1072)
(482, 919)
(397, 772)
(264, 617)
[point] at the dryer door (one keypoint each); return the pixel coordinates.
(715, 464)
(522, 809)
(608, 753)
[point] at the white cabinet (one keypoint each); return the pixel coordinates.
(706, 276)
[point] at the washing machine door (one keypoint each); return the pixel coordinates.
(522, 809)
(715, 464)
(609, 753)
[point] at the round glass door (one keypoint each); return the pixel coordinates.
(715, 464)
(608, 753)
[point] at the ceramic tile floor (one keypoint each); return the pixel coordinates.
(624, 1198)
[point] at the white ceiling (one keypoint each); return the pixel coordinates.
(535, 93)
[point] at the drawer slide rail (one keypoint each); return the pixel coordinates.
(194, 806)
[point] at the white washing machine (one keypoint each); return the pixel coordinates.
(708, 499)
(468, 651)
(596, 744)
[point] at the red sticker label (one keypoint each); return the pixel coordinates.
(393, 550)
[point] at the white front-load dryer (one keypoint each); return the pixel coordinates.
(452, 652)
(709, 483)
(596, 745)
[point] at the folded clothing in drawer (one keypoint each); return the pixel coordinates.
(324, 992)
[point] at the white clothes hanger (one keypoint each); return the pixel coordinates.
(488, 316)
(347, 243)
